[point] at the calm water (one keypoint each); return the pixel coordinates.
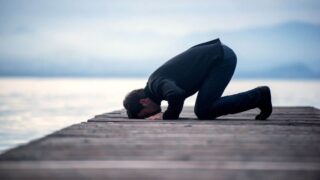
(33, 107)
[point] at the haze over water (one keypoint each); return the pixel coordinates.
(33, 107)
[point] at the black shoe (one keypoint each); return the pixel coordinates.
(265, 104)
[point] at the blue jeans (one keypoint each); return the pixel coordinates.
(210, 104)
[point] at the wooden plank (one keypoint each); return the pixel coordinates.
(286, 112)
(213, 165)
(157, 174)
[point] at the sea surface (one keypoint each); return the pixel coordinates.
(33, 107)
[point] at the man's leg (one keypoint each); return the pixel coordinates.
(210, 104)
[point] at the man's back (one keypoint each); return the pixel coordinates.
(188, 69)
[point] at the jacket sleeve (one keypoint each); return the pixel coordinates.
(175, 97)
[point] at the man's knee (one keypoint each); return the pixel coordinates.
(202, 113)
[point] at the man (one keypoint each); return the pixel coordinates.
(205, 68)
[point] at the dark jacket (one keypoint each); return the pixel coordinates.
(182, 76)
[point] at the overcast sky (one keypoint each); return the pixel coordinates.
(130, 30)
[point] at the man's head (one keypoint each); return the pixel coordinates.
(139, 106)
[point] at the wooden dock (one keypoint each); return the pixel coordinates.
(110, 146)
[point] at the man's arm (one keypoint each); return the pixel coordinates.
(175, 97)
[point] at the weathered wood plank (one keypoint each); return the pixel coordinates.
(225, 165)
(278, 113)
(157, 174)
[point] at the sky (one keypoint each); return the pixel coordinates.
(131, 31)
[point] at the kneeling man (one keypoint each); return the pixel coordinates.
(205, 68)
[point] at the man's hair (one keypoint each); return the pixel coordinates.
(132, 104)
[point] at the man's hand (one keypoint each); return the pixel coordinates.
(156, 116)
